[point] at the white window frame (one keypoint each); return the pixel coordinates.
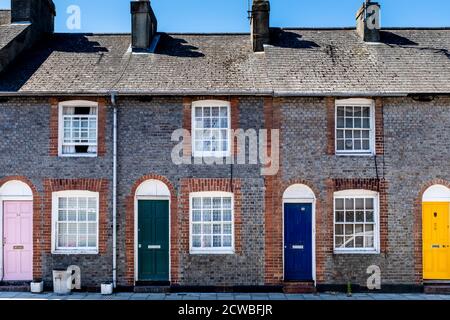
(356, 102)
(73, 103)
(211, 103)
(376, 211)
(219, 251)
(72, 193)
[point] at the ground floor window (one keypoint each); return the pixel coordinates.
(75, 222)
(356, 226)
(212, 222)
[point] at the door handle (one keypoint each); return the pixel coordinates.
(154, 247)
(298, 247)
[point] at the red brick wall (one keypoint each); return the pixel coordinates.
(54, 117)
(330, 104)
(418, 250)
(379, 127)
(94, 185)
(273, 212)
(204, 185)
(129, 230)
(37, 231)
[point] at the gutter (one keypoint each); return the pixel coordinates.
(114, 200)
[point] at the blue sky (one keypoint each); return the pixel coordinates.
(231, 15)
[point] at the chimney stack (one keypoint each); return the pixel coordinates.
(260, 24)
(40, 13)
(143, 25)
(368, 21)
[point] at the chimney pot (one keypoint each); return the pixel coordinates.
(260, 24)
(40, 13)
(368, 21)
(143, 25)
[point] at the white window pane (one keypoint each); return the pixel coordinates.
(207, 203)
(196, 216)
(223, 122)
(215, 111)
(227, 241)
(223, 111)
(369, 203)
(339, 242)
(198, 112)
(359, 230)
(72, 203)
(62, 241)
(196, 203)
(196, 241)
(340, 216)
(340, 144)
(227, 216)
(217, 229)
(82, 228)
(227, 203)
(369, 242)
(206, 111)
(62, 215)
(217, 215)
(359, 242)
(207, 215)
(207, 241)
(92, 241)
(365, 145)
(72, 215)
(349, 229)
(196, 228)
(72, 241)
(82, 215)
(227, 229)
(207, 229)
(349, 216)
(349, 242)
(359, 216)
(359, 203)
(339, 229)
(82, 241)
(339, 204)
(217, 241)
(92, 228)
(369, 216)
(349, 204)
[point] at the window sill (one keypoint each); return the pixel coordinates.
(218, 253)
(79, 155)
(74, 252)
(353, 252)
(362, 154)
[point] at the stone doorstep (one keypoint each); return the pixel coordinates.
(299, 287)
(15, 288)
(151, 289)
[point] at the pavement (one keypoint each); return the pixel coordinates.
(222, 296)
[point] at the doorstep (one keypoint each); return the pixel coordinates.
(436, 287)
(299, 287)
(14, 286)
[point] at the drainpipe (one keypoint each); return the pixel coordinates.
(114, 205)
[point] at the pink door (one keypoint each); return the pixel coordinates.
(18, 240)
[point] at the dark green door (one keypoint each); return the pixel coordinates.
(153, 240)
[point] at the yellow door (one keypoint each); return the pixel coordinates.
(436, 240)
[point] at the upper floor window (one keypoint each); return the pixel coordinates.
(78, 128)
(355, 126)
(211, 128)
(356, 222)
(75, 222)
(212, 220)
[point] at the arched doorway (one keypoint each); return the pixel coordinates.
(299, 204)
(436, 233)
(16, 224)
(152, 232)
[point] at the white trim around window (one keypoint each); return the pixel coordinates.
(79, 212)
(211, 128)
(353, 135)
(356, 222)
(90, 133)
(212, 215)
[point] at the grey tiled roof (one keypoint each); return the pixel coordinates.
(298, 62)
(338, 61)
(8, 32)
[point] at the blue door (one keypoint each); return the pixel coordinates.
(298, 242)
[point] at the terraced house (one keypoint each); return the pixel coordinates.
(88, 177)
